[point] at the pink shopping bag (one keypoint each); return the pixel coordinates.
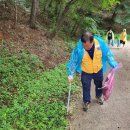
(109, 82)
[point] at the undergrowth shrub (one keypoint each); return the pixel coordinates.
(31, 98)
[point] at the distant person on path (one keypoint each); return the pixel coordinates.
(89, 59)
(123, 37)
(110, 37)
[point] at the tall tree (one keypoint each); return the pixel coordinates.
(65, 11)
(61, 17)
(34, 11)
(16, 17)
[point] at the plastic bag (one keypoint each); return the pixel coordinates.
(109, 82)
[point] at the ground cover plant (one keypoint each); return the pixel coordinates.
(31, 98)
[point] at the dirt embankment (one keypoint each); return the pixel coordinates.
(22, 37)
(51, 52)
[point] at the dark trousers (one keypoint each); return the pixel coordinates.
(122, 42)
(86, 84)
(109, 41)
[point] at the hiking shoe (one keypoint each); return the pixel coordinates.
(99, 100)
(86, 106)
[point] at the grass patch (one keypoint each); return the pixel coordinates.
(30, 97)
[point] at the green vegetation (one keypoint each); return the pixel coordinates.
(30, 97)
(67, 17)
(122, 13)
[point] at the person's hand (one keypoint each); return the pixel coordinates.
(70, 78)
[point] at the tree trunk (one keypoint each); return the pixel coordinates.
(65, 11)
(61, 18)
(58, 8)
(114, 14)
(48, 2)
(34, 11)
(16, 14)
(74, 29)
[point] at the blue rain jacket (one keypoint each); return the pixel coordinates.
(74, 64)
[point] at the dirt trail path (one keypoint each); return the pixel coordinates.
(115, 113)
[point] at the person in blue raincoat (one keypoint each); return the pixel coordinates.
(90, 58)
